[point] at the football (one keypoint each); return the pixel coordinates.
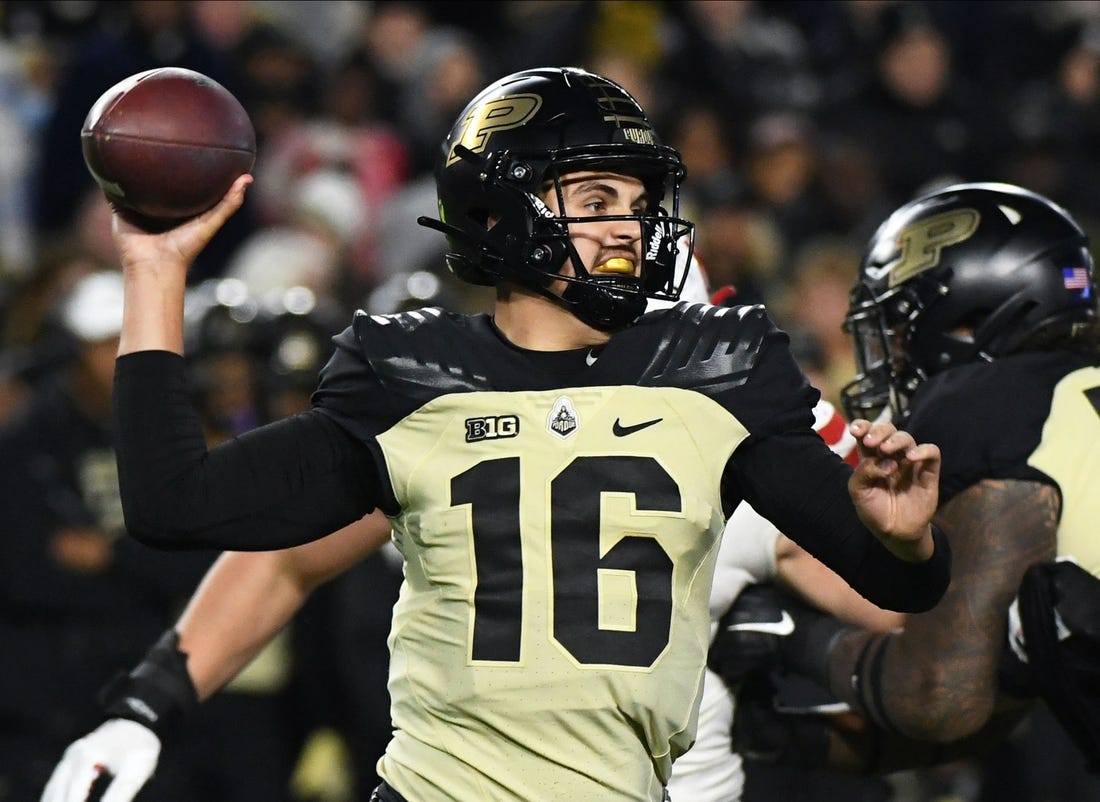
(166, 144)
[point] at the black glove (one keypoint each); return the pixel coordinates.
(157, 693)
(765, 648)
(1059, 613)
(765, 732)
(749, 635)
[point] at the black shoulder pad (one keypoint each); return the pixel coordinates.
(420, 354)
(709, 346)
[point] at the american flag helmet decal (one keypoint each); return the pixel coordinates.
(1076, 278)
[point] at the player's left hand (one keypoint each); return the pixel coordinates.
(895, 487)
(125, 749)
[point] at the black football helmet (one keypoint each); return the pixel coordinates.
(516, 139)
(968, 272)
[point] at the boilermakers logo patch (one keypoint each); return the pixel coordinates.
(492, 427)
(562, 420)
(499, 114)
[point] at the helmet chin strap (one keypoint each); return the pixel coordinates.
(607, 305)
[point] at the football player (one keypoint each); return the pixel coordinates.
(557, 472)
(975, 324)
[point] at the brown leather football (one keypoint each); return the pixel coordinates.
(166, 144)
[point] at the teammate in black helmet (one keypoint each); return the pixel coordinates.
(970, 273)
(557, 472)
(975, 322)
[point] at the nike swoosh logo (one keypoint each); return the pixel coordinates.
(784, 626)
(590, 359)
(619, 430)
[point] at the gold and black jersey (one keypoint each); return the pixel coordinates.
(559, 541)
(1031, 416)
(559, 526)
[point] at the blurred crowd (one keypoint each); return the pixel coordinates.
(801, 124)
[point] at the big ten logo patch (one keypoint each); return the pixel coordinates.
(499, 114)
(492, 427)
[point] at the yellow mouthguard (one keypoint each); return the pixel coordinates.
(616, 264)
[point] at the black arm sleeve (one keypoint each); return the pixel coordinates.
(796, 482)
(284, 484)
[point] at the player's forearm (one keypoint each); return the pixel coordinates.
(937, 680)
(152, 317)
(910, 687)
(265, 589)
(260, 588)
(802, 573)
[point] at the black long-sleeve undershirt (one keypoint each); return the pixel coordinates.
(820, 518)
(284, 484)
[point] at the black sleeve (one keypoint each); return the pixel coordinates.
(796, 482)
(284, 484)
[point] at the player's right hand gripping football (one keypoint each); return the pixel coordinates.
(124, 749)
(177, 247)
